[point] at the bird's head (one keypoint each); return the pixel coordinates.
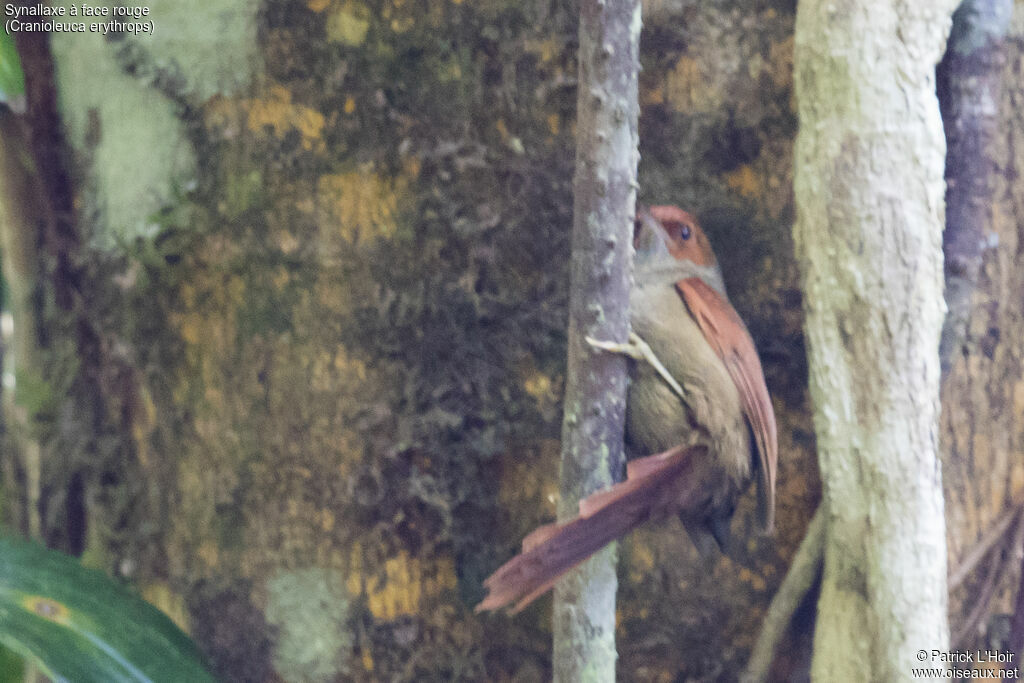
(663, 235)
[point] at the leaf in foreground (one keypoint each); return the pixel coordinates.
(12, 80)
(79, 625)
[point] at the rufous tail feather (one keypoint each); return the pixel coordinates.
(656, 486)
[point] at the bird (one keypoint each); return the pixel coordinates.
(697, 400)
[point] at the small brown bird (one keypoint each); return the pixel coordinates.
(697, 398)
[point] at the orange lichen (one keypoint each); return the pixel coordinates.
(688, 89)
(756, 581)
(502, 129)
(275, 112)
(641, 560)
(281, 115)
(554, 123)
(537, 384)
(653, 95)
(545, 49)
(358, 205)
(780, 63)
(403, 586)
(745, 181)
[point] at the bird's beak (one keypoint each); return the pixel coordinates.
(649, 239)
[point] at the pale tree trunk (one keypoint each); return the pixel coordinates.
(604, 191)
(869, 191)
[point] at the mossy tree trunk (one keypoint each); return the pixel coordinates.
(322, 296)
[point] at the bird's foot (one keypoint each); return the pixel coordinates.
(634, 348)
(637, 349)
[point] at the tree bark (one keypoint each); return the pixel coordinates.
(983, 393)
(970, 85)
(604, 190)
(869, 187)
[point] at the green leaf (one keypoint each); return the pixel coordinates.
(79, 625)
(12, 667)
(12, 80)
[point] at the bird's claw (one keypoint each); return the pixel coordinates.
(637, 349)
(630, 348)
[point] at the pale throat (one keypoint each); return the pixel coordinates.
(667, 270)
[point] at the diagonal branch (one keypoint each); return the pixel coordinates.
(988, 588)
(976, 554)
(803, 570)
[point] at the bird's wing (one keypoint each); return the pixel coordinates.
(728, 336)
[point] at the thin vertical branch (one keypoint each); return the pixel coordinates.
(595, 397)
